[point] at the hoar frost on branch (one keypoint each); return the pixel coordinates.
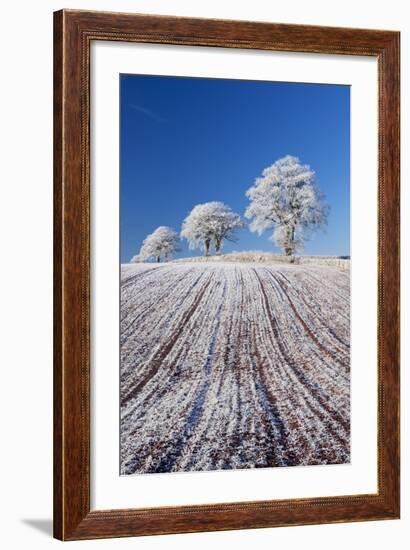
(162, 243)
(286, 200)
(210, 222)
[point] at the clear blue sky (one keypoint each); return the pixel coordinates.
(186, 141)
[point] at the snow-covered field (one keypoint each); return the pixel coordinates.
(229, 365)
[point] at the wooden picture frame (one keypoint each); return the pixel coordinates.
(73, 33)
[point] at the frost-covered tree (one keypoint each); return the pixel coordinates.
(225, 224)
(136, 259)
(196, 230)
(210, 222)
(162, 243)
(286, 200)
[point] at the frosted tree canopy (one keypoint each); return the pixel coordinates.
(210, 222)
(162, 243)
(286, 200)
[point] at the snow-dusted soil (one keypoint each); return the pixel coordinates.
(233, 366)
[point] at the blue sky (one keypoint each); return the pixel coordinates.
(185, 141)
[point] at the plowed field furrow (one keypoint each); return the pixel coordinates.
(229, 366)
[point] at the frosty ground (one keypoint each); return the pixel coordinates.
(229, 366)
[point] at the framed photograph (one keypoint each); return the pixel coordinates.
(226, 275)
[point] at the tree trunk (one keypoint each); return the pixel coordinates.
(290, 245)
(206, 248)
(218, 246)
(158, 259)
